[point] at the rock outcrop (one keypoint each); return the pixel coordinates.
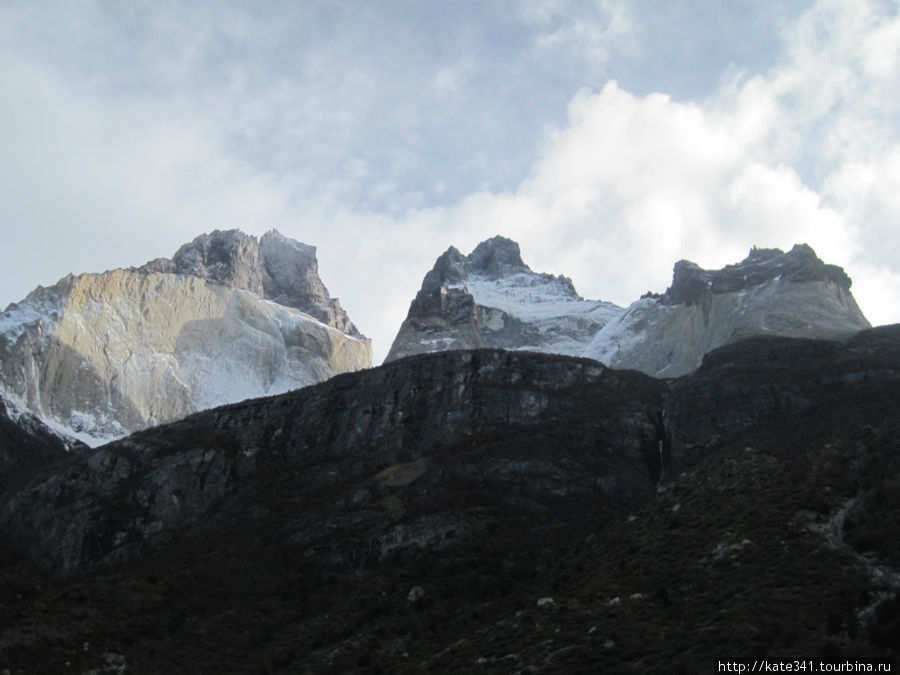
(601, 431)
(791, 294)
(276, 268)
(491, 298)
(481, 510)
(570, 429)
(27, 444)
(228, 318)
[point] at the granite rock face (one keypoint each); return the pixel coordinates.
(791, 294)
(691, 284)
(491, 298)
(275, 268)
(98, 356)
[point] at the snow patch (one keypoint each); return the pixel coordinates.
(621, 334)
(18, 412)
(41, 305)
(292, 318)
(533, 297)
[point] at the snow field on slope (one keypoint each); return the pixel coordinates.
(530, 298)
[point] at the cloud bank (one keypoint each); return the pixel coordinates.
(807, 152)
(383, 137)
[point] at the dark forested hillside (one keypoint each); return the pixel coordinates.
(480, 511)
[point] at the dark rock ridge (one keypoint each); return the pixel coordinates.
(493, 258)
(27, 444)
(691, 283)
(274, 267)
(481, 510)
(491, 298)
(344, 432)
(615, 434)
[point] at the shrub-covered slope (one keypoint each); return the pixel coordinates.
(481, 512)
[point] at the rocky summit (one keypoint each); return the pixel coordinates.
(456, 510)
(791, 294)
(98, 356)
(491, 298)
(479, 511)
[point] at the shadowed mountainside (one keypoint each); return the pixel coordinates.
(481, 511)
(26, 444)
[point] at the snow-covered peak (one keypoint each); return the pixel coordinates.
(41, 306)
(491, 298)
(525, 295)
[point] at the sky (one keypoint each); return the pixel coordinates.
(610, 138)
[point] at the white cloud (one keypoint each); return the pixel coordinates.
(632, 184)
(97, 187)
(340, 148)
(593, 29)
(839, 87)
(708, 181)
(877, 289)
(450, 81)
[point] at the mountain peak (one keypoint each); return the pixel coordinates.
(497, 257)
(229, 317)
(226, 257)
(493, 258)
(450, 267)
(491, 298)
(769, 292)
(290, 272)
(690, 282)
(275, 268)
